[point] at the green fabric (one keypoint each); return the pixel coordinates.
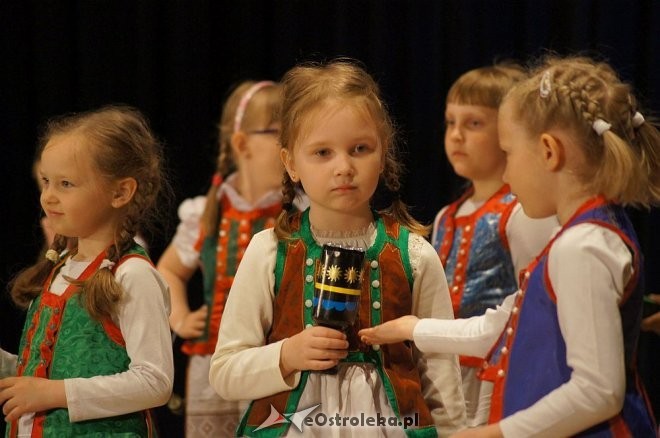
(373, 357)
(82, 348)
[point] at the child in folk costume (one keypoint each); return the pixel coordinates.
(95, 353)
(562, 349)
(337, 145)
(484, 238)
(213, 234)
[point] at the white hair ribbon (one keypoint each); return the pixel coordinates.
(600, 126)
(105, 263)
(545, 87)
(637, 120)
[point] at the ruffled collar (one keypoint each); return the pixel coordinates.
(361, 238)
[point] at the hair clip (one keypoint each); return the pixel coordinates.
(52, 255)
(242, 105)
(106, 263)
(600, 126)
(637, 120)
(216, 180)
(545, 87)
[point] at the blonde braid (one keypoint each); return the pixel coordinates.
(283, 222)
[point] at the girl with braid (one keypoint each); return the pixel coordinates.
(95, 353)
(338, 146)
(483, 238)
(212, 236)
(562, 348)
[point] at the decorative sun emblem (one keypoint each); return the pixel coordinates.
(334, 272)
(351, 275)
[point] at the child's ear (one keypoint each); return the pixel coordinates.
(239, 143)
(552, 152)
(123, 192)
(287, 160)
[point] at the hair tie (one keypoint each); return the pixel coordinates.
(600, 126)
(242, 105)
(545, 86)
(216, 180)
(52, 255)
(106, 264)
(637, 120)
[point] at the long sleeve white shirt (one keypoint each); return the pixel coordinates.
(244, 366)
(143, 321)
(589, 267)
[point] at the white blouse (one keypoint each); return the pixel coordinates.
(245, 367)
(143, 320)
(589, 267)
(190, 214)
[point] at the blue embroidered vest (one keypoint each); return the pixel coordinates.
(529, 361)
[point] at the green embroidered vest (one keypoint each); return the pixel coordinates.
(60, 341)
(220, 255)
(386, 295)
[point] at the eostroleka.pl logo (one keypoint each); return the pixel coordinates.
(302, 417)
(295, 418)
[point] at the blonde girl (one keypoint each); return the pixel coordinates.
(245, 197)
(338, 145)
(562, 349)
(95, 353)
(483, 238)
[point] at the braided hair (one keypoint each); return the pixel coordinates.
(620, 149)
(305, 88)
(121, 144)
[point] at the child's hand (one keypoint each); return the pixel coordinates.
(490, 431)
(315, 348)
(20, 395)
(192, 325)
(396, 330)
(652, 323)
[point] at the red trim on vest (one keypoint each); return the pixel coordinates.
(223, 281)
(467, 224)
(498, 372)
(619, 428)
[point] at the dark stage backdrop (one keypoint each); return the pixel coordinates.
(175, 60)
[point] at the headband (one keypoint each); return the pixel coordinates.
(242, 105)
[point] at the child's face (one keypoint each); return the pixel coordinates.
(264, 155)
(524, 170)
(471, 141)
(338, 160)
(76, 200)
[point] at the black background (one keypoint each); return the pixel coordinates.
(175, 60)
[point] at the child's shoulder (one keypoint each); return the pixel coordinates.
(264, 239)
(191, 208)
(587, 241)
(140, 280)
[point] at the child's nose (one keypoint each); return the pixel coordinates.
(344, 165)
(47, 194)
(455, 132)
